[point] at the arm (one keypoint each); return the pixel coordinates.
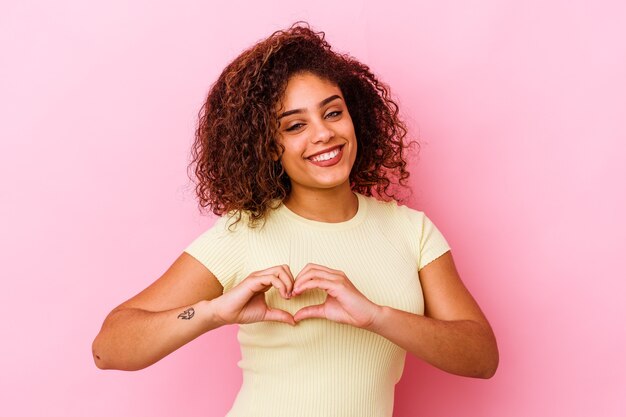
(144, 329)
(454, 335)
(185, 302)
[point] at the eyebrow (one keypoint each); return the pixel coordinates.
(322, 104)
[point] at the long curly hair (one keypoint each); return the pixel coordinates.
(237, 130)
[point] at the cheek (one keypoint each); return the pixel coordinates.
(290, 158)
(347, 130)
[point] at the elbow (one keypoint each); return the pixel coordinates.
(104, 360)
(490, 364)
(108, 353)
(98, 357)
(490, 357)
(102, 363)
(488, 371)
(482, 362)
(484, 369)
(101, 358)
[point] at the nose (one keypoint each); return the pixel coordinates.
(323, 133)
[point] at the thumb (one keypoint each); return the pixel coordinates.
(314, 311)
(274, 314)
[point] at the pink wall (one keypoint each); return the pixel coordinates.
(520, 108)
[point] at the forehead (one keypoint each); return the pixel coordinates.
(307, 90)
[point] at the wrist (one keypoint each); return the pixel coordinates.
(209, 311)
(378, 319)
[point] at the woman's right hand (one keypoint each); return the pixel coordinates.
(245, 303)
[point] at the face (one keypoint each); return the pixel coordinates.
(317, 133)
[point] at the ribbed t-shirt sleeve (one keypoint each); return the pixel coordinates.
(432, 243)
(222, 250)
(426, 240)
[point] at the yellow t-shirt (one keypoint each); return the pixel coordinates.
(320, 368)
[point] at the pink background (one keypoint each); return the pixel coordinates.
(521, 110)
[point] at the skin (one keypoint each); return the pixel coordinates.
(453, 334)
(318, 193)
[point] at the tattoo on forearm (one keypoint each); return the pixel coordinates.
(187, 314)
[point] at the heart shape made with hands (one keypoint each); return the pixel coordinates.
(344, 302)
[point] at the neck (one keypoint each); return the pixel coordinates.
(330, 206)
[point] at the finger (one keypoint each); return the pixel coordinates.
(283, 273)
(262, 283)
(314, 274)
(311, 265)
(321, 283)
(309, 312)
(274, 314)
(320, 273)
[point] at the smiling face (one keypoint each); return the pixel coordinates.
(317, 134)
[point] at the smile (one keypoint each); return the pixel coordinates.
(326, 156)
(327, 159)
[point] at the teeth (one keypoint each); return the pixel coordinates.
(325, 156)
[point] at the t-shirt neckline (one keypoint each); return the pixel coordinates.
(354, 221)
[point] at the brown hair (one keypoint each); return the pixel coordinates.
(237, 130)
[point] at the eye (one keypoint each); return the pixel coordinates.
(334, 114)
(294, 127)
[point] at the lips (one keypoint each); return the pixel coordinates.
(327, 157)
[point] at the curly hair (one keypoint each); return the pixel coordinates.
(237, 130)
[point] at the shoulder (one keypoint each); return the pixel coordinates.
(394, 211)
(222, 249)
(413, 227)
(229, 227)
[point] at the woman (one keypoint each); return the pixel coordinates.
(300, 150)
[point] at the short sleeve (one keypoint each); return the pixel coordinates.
(427, 242)
(222, 250)
(432, 243)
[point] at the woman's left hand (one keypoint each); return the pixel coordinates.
(344, 303)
